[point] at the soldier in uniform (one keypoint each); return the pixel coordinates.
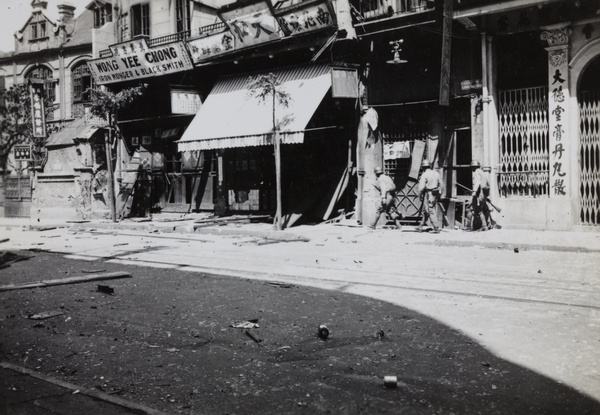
(387, 189)
(429, 193)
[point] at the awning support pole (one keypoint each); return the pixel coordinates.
(277, 144)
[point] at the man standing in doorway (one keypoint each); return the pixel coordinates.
(429, 193)
(387, 189)
(481, 191)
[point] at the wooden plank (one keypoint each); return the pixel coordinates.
(68, 280)
(417, 157)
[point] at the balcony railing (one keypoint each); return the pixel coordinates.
(175, 37)
(376, 9)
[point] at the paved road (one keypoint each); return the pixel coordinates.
(532, 298)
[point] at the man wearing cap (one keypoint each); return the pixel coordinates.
(429, 193)
(387, 189)
(481, 191)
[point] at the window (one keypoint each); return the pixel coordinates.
(182, 12)
(82, 81)
(140, 20)
(37, 30)
(44, 74)
(102, 15)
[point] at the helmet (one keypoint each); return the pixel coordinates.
(475, 163)
(378, 170)
(487, 168)
(425, 163)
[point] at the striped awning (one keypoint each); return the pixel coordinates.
(232, 116)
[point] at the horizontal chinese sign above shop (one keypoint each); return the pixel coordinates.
(136, 60)
(258, 23)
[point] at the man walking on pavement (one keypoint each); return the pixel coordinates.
(429, 193)
(387, 189)
(481, 191)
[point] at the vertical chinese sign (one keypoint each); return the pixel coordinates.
(558, 108)
(38, 116)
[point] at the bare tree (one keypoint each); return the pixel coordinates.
(265, 87)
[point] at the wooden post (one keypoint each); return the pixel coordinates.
(277, 144)
(111, 183)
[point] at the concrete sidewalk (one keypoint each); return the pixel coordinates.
(27, 392)
(563, 241)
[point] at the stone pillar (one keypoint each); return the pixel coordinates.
(559, 115)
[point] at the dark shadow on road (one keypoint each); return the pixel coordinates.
(164, 339)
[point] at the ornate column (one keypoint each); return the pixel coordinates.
(559, 115)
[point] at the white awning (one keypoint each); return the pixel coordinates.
(231, 116)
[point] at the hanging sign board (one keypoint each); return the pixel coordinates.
(38, 116)
(136, 60)
(185, 101)
(252, 23)
(306, 17)
(211, 45)
(344, 83)
(22, 152)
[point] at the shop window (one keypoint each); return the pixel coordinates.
(102, 15)
(44, 74)
(182, 12)
(82, 82)
(140, 20)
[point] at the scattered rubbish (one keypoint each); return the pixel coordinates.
(252, 337)
(380, 334)
(43, 228)
(38, 325)
(45, 315)
(106, 289)
(92, 271)
(248, 324)
(172, 350)
(67, 280)
(516, 250)
(539, 271)
(121, 244)
(279, 284)
(486, 364)
(76, 392)
(8, 258)
(4, 240)
(323, 332)
(390, 381)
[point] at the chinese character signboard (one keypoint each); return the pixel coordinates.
(22, 152)
(558, 104)
(306, 17)
(38, 115)
(135, 60)
(184, 101)
(256, 22)
(212, 45)
(251, 23)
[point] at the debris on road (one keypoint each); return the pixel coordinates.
(390, 381)
(380, 334)
(248, 324)
(323, 332)
(68, 280)
(252, 337)
(516, 250)
(106, 289)
(92, 271)
(45, 315)
(4, 240)
(7, 258)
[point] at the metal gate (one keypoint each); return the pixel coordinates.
(17, 192)
(524, 156)
(589, 158)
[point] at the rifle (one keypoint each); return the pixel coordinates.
(492, 205)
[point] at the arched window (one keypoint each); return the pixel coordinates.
(82, 81)
(45, 74)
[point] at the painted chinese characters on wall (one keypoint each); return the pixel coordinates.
(558, 101)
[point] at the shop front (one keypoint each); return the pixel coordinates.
(315, 129)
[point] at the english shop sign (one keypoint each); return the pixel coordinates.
(135, 60)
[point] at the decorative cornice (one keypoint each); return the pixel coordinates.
(557, 37)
